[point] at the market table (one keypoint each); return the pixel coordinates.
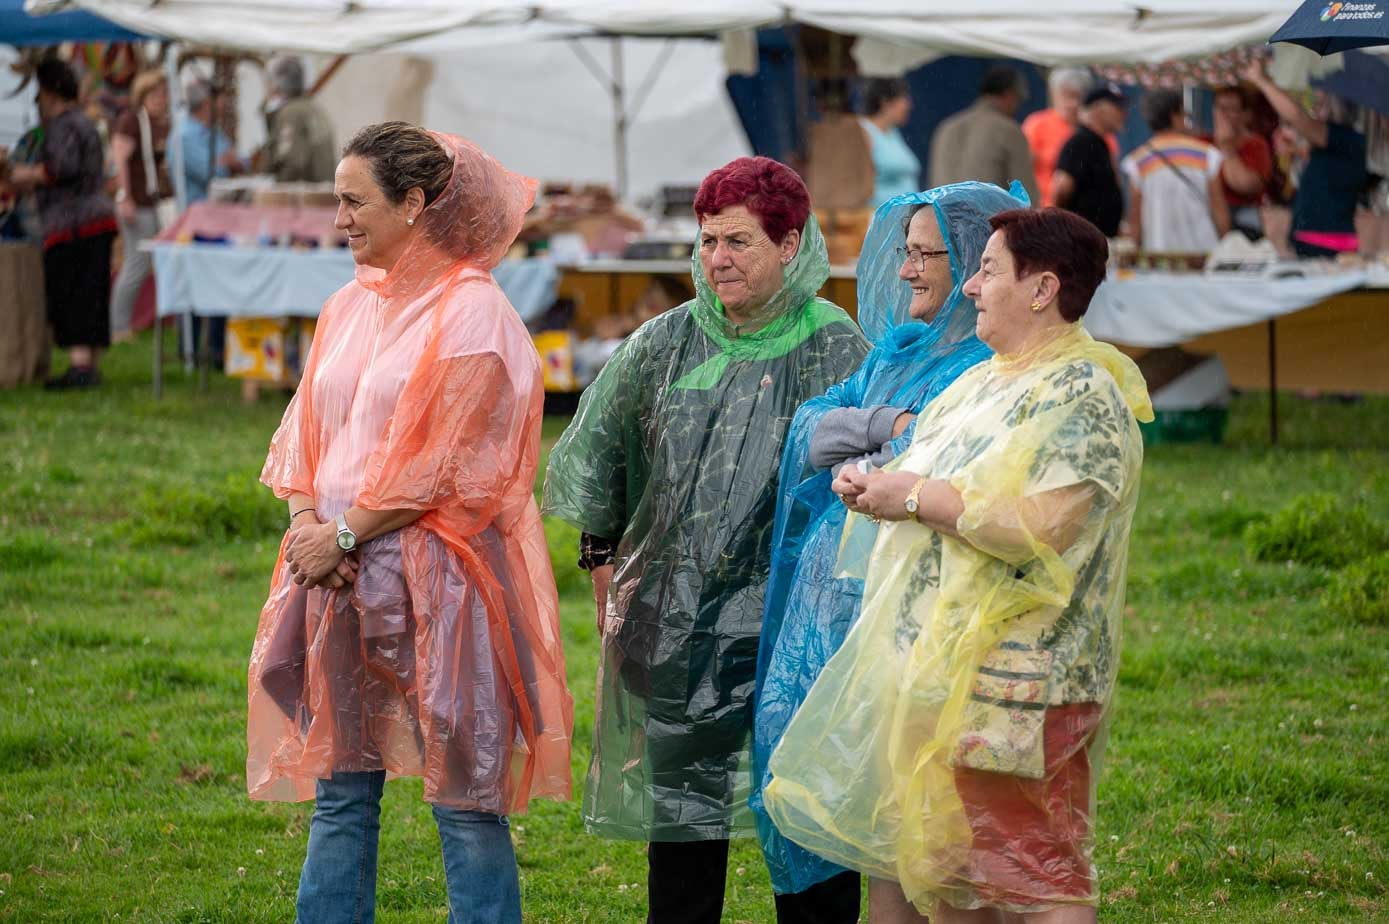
(603, 287)
(1328, 330)
(1334, 323)
(1202, 313)
(219, 280)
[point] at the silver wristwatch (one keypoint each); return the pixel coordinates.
(347, 539)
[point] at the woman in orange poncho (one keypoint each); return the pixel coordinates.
(412, 624)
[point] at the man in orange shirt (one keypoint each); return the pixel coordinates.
(1049, 130)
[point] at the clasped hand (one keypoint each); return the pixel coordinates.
(878, 494)
(313, 556)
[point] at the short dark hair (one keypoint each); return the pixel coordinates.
(1000, 80)
(879, 91)
(1160, 107)
(1238, 92)
(1055, 240)
(57, 77)
(402, 156)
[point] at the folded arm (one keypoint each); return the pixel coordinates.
(848, 433)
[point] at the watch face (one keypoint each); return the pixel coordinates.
(911, 505)
(346, 542)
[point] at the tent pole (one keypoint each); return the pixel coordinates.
(613, 82)
(1273, 382)
(801, 70)
(620, 117)
(176, 142)
(180, 196)
(327, 75)
(212, 145)
(654, 74)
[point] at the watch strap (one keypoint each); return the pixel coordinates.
(341, 520)
(914, 496)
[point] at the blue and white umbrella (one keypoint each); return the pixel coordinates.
(1329, 26)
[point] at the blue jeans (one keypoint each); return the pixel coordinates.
(338, 884)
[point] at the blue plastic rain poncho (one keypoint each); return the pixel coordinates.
(808, 609)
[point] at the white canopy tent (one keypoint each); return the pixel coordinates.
(538, 107)
(497, 77)
(1057, 32)
(339, 27)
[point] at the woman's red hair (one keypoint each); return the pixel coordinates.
(770, 190)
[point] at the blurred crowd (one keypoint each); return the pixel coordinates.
(1303, 177)
(95, 180)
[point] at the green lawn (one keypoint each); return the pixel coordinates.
(1246, 778)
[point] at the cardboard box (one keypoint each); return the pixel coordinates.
(556, 349)
(844, 231)
(270, 350)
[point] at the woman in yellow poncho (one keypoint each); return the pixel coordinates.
(953, 743)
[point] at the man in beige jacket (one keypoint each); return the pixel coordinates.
(302, 146)
(985, 142)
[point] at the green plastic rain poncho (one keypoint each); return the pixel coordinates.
(968, 650)
(675, 450)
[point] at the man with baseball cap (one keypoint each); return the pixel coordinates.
(1086, 180)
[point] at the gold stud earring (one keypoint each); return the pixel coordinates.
(1036, 306)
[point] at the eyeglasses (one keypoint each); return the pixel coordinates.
(918, 257)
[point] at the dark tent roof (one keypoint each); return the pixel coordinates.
(19, 28)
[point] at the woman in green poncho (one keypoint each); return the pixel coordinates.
(670, 471)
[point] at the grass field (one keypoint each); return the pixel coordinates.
(1246, 780)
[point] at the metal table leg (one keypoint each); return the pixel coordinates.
(158, 357)
(204, 353)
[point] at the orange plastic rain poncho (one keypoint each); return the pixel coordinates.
(423, 392)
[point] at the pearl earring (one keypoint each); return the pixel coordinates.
(411, 221)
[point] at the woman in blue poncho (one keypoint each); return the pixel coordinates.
(911, 305)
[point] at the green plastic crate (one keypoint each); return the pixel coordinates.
(1206, 425)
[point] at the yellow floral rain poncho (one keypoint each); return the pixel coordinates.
(971, 698)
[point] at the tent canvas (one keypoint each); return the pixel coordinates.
(536, 106)
(20, 29)
(1062, 31)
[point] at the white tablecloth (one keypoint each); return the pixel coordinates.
(217, 280)
(1165, 309)
(1148, 310)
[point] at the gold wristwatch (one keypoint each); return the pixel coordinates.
(914, 497)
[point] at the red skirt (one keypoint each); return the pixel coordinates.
(1032, 837)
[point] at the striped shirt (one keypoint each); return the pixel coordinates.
(1173, 173)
